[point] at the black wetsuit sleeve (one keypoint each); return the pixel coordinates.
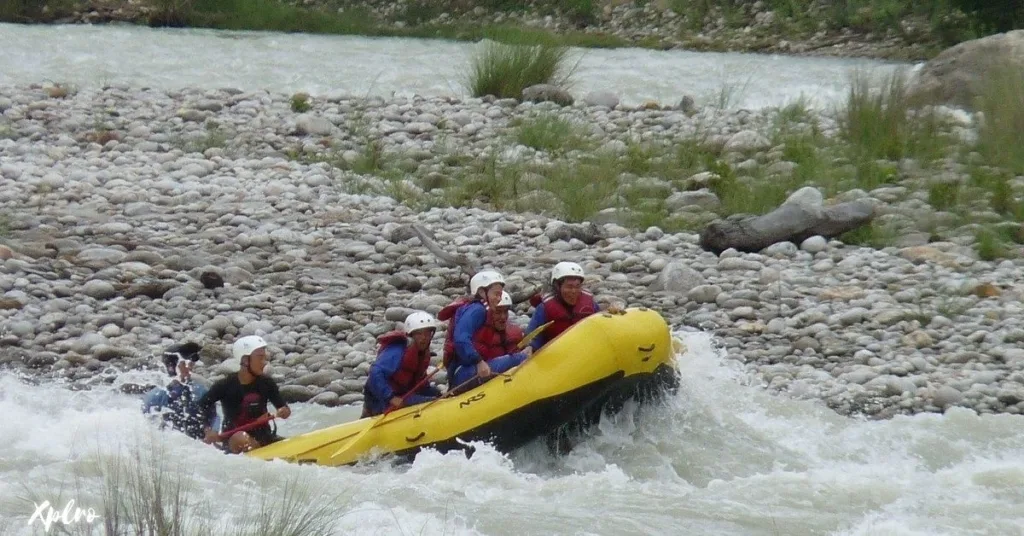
(273, 394)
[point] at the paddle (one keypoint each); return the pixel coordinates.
(260, 421)
(379, 420)
(382, 415)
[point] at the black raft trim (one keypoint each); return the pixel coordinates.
(577, 409)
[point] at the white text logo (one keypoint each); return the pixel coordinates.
(70, 514)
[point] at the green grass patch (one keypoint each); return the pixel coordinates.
(488, 181)
(944, 195)
(642, 159)
(754, 195)
(7, 132)
(28, 11)
(214, 137)
(574, 191)
(874, 235)
(989, 244)
(882, 123)
(582, 188)
(693, 155)
(551, 133)
(996, 183)
(273, 16)
(504, 70)
(300, 103)
(509, 34)
(1002, 103)
(795, 113)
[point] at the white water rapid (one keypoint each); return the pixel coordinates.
(721, 457)
(359, 66)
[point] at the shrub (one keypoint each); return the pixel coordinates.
(504, 70)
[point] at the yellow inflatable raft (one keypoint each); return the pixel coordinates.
(595, 366)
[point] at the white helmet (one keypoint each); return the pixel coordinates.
(419, 320)
(247, 345)
(506, 300)
(485, 279)
(566, 269)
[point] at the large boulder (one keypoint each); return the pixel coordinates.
(548, 93)
(956, 76)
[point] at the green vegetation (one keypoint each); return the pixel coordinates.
(274, 15)
(212, 137)
(883, 124)
(641, 183)
(300, 103)
(548, 132)
(1002, 103)
(504, 70)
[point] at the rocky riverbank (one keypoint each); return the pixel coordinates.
(116, 201)
(824, 28)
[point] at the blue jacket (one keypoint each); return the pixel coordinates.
(378, 392)
(468, 320)
(384, 367)
(538, 320)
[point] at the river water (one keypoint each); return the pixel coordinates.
(722, 457)
(358, 66)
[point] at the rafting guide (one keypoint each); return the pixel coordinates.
(71, 514)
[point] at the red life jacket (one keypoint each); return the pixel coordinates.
(448, 313)
(557, 312)
(413, 367)
(492, 343)
(253, 406)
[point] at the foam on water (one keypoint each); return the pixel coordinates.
(722, 457)
(89, 56)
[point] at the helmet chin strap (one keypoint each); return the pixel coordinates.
(248, 365)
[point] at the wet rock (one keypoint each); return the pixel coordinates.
(101, 290)
(677, 277)
(548, 93)
(296, 393)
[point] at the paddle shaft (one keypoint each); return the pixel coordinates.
(380, 420)
(411, 392)
(263, 419)
(522, 344)
(390, 408)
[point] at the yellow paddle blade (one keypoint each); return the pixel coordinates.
(344, 449)
(533, 335)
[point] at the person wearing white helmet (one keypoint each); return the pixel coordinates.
(398, 376)
(177, 402)
(497, 343)
(566, 304)
(465, 317)
(243, 398)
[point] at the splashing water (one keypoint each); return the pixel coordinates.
(721, 457)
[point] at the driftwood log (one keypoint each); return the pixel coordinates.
(799, 218)
(469, 266)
